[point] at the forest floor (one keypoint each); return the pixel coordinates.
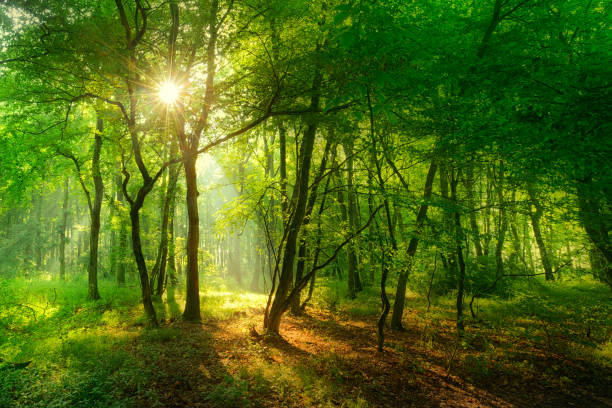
(551, 348)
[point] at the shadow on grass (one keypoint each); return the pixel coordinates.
(98, 354)
(173, 309)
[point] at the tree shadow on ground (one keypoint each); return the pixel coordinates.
(184, 368)
(409, 375)
(173, 310)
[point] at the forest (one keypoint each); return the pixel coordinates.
(305, 203)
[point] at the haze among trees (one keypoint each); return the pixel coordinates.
(243, 203)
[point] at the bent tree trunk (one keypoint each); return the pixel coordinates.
(94, 235)
(400, 293)
(301, 262)
(140, 261)
(279, 304)
(536, 216)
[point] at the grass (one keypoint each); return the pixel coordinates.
(545, 346)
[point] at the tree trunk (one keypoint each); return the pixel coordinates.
(286, 275)
(351, 288)
(39, 241)
(502, 225)
(282, 132)
(454, 179)
(123, 234)
(94, 234)
(140, 262)
(537, 233)
(400, 292)
(159, 269)
(353, 267)
(279, 303)
(172, 270)
(192, 301)
(62, 249)
(168, 211)
(296, 308)
(469, 188)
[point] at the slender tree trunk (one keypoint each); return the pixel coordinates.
(286, 275)
(123, 234)
(301, 261)
(257, 270)
(469, 188)
(400, 292)
(536, 216)
(502, 225)
(189, 150)
(140, 262)
(192, 302)
(351, 287)
(487, 213)
(39, 242)
(386, 306)
(94, 234)
(62, 250)
(279, 304)
(454, 179)
(166, 225)
(114, 247)
(353, 267)
(282, 132)
(172, 270)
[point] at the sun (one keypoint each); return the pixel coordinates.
(169, 92)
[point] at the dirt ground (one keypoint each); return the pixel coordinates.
(325, 359)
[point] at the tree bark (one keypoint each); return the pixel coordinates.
(123, 234)
(279, 305)
(38, 241)
(301, 261)
(353, 267)
(166, 224)
(400, 292)
(94, 234)
(454, 179)
(142, 266)
(469, 188)
(192, 301)
(62, 249)
(502, 224)
(536, 216)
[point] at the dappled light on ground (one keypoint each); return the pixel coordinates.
(97, 352)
